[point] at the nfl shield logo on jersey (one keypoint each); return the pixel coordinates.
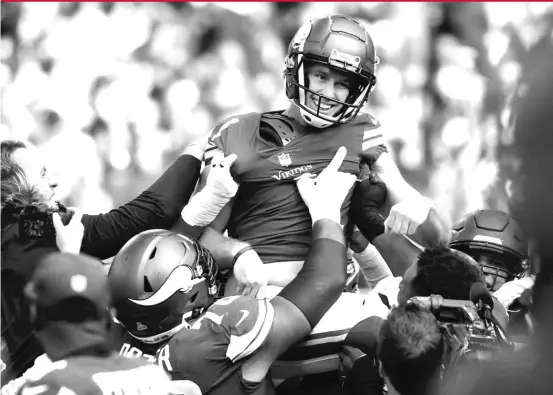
(285, 160)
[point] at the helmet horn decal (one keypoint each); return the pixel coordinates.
(180, 279)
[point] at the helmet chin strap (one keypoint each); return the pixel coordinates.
(314, 120)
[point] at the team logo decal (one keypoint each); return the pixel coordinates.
(285, 160)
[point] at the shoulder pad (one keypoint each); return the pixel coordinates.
(373, 133)
(217, 140)
(276, 121)
(226, 123)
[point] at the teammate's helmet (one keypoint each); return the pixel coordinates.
(161, 279)
(493, 238)
(338, 42)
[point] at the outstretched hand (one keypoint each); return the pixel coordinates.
(406, 216)
(69, 237)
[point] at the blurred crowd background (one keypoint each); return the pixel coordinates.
(112, 92)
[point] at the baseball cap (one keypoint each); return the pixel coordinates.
(61, 276)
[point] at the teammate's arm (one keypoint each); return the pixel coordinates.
(431, 226)
(217, 188)
(223, 248)
(303, 302)
(220, 222)
(214, 151)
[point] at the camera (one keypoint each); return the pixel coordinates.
(470, 332)
(36, 223)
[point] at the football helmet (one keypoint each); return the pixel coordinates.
(494, 239)
(341, 43)
(160, 280)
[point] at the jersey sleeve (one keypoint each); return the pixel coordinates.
(246, 320)
(218, 139)
(374, 143)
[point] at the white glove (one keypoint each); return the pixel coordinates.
(69, 237)
(324, 195)
(219, 178)
(406, 216)
(220, 187)
(512, 290)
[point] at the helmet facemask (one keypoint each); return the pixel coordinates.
(498, 270)
(296, 75)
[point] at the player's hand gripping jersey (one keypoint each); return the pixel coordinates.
(268, 211)
(213, 348)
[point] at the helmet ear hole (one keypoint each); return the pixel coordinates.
(147, 285)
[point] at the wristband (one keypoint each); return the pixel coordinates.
(239, 253)
(204, 207)
(328, 229)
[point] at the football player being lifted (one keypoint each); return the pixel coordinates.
(164, 281)
(329, 73)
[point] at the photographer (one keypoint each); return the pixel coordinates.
(26, 187)
(405, 353)
(444, 272)
(410, 351)
(441, 271)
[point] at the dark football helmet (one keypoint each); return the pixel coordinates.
(341, 43)
(161, 280)
(494, 239)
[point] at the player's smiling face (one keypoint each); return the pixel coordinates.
(328, 82)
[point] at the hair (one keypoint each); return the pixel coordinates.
(410, 349)
(446, 272)
(15, 189)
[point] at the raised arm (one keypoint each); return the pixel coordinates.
(216, 188)
(157, 207)
(411, 214)
(216, 147)
(201, 220)
(220, 222)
